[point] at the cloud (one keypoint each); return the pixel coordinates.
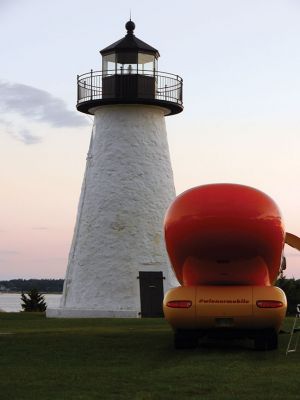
(37, 105)
(18, 101)
(21, 134)
(26, 137)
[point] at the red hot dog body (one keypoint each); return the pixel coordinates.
(224, 234)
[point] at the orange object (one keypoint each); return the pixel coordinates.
(225, 243)
(224, 234)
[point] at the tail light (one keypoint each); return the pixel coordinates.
(269, 303)
(179, 304)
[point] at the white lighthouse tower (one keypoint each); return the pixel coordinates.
(118, 266)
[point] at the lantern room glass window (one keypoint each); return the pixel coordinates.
(109, 64)
(129, 63)
(126, 63)
(147, 64)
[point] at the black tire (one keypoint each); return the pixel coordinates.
(272, 340)
(266, 340)
(260, 342)
(185, 340)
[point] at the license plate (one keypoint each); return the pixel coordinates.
(224, 322)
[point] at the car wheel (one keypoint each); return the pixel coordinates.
(267, 340)
(272, 340)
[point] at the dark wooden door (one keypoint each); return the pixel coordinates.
(152, 293)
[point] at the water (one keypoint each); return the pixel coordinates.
(11, 302)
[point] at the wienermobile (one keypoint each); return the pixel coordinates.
(225, 243)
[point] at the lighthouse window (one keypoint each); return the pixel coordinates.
(126, 63)
(109, 64)
(146, 63)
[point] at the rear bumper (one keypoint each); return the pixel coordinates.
(225, 308)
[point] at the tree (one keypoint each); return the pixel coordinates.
(291, 288)
(33, 301)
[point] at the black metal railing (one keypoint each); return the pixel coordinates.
(130, 84)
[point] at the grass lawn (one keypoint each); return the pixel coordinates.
(78, 359)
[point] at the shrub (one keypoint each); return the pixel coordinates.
(33, 301)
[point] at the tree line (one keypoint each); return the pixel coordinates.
(291, 288)
(25, 285)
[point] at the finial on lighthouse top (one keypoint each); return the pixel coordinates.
(130, 26)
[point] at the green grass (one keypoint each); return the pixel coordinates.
(81, 359)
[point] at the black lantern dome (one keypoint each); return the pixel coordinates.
(129, 76)
(130, 43)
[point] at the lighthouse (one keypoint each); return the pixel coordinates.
(118, 266)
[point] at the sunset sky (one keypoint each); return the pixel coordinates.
(240, 62)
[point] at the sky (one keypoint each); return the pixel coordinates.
(240, 63)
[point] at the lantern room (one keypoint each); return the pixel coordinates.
(129, 76)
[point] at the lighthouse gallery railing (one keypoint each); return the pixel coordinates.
(167, 87)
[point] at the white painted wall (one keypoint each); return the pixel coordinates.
(127, 188)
